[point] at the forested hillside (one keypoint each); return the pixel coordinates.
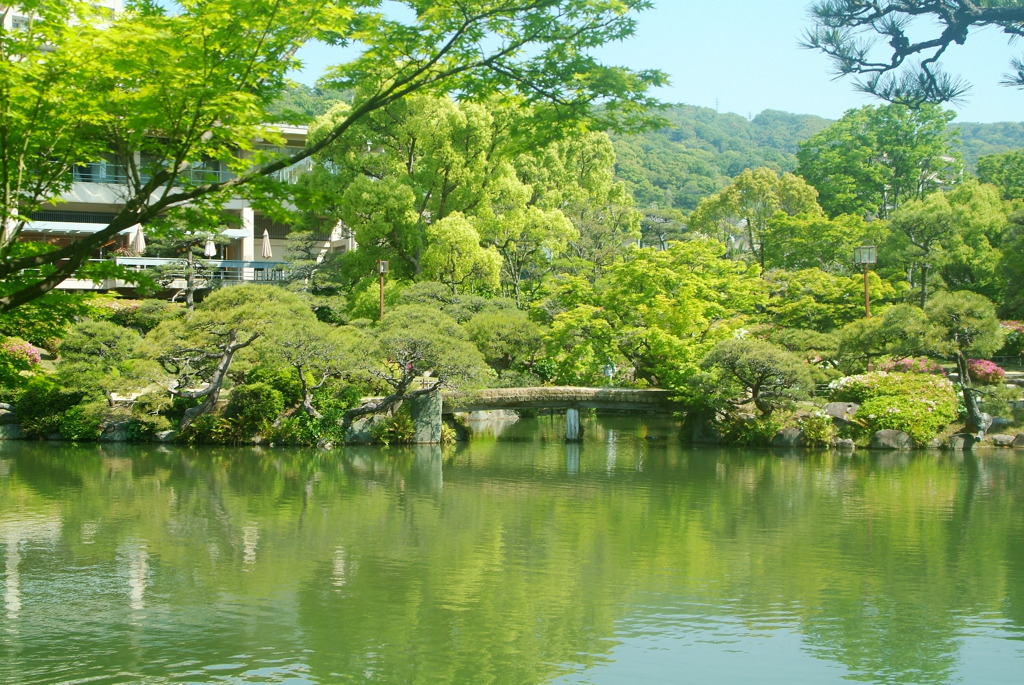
(700, 150)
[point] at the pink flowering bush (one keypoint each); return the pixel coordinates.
(909, 365)
(27, 353)
(16, 356)
(984, 372)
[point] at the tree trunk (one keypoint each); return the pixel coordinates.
(924, 285)
(974, 421)
(190, 280)
(211, 392)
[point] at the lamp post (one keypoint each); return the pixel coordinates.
(382, 268)
(866, 255)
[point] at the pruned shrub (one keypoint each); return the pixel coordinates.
(818, 428)
(254, 407)
(81, 423)
(212, 430)
(284, 379)
(398, 428)
(40, 405)
(747, 431)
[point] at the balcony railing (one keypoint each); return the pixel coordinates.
(224, 270)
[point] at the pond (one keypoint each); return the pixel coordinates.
(512, 559)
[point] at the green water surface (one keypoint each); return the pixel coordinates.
(629, 559)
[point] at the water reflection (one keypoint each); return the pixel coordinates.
(519, 559)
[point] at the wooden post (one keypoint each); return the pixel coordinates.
(867, 294)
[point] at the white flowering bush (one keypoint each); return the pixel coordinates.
(920, 405)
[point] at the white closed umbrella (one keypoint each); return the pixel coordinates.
(210, 250)
(138, 243)
(267, 251)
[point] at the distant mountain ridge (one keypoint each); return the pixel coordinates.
(700, 150)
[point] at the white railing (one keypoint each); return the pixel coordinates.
(225, 270)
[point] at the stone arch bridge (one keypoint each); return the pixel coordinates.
(428, 410)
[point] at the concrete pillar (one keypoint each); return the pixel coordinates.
(426, 417)
(248, 243)
(573, 431)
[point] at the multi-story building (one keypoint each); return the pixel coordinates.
(255, 245)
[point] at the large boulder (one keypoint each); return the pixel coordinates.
(1000, 423)
(889, 439)
(7, 417)
(359, 433)
(846, 445)
(11, 431)
(841, 412)
(166, 436)
(1001, 439)
(788, 437)
(962, 441)
(701, 427)
(115, 432)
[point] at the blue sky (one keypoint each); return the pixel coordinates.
(742, 56)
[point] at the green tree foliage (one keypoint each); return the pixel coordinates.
(417, 350)
(751, 370)
(580, 346)
(197, 350)
(921, 230)
(968, 327)
(576, 177)
(898, 332)
(952, 235)
(182, 236)
(814, 241)
(740, 213)
(421, 180)
(1010, 270)
(971, 261)
(915, 35)
(316, 352)
(254, 407)
(161, 89)
(507, 338)
(876, 158)
(698, 151)
(817, 300)
(300, 104)
(659, 227)
(95, 355)
(654, 316)
(44, 320)
(1005, 171)
(455, 257)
